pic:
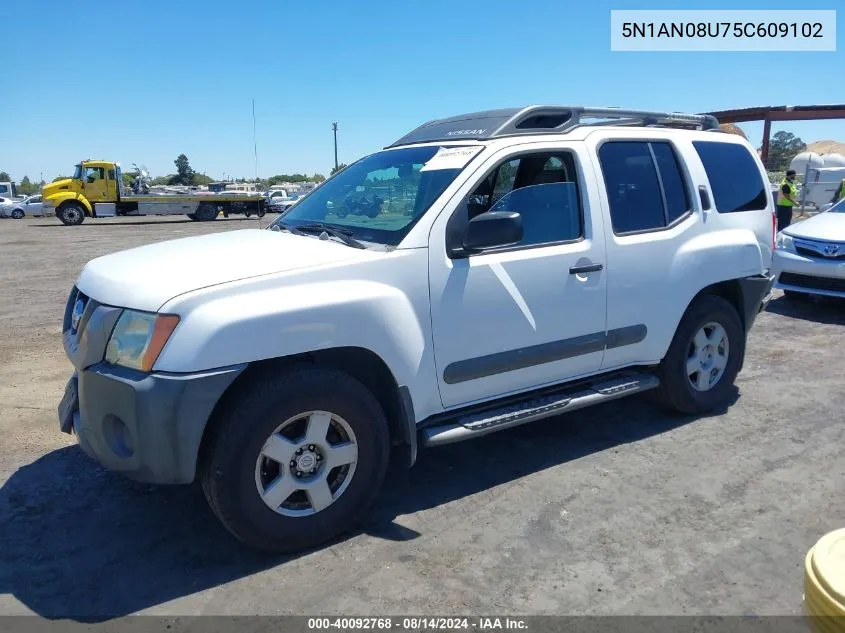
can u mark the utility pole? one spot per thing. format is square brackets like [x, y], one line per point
[334, 128]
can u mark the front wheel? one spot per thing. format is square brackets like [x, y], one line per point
[71, 214]
[291, 461]
[699, 370]
[17, 214]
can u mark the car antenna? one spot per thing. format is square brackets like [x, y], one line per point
[255, 152]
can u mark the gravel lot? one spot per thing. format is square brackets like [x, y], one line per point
[612, 510]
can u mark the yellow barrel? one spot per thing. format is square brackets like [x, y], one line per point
[824, 583]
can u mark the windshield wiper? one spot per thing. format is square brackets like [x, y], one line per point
[343, 235]
[288, 228]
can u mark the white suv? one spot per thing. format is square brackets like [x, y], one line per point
[487, 270]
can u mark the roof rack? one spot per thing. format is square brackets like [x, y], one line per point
[538, 119]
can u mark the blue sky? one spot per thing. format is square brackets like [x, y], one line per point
[181, 76]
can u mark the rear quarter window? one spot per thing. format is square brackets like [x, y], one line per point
[734, 177]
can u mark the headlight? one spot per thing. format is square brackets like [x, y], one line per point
[785, 242]
[139, 337]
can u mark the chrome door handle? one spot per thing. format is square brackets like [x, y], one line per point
[589, 268]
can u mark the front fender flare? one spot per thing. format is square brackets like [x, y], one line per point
[272, 322]
[60, 198]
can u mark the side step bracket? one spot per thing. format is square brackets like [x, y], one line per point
[477, 424]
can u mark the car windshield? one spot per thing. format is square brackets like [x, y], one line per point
[379, 198]
[839, 207]
[77, 173]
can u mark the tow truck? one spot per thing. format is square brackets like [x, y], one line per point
[96, 190]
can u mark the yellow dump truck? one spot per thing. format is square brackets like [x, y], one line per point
[96, 190]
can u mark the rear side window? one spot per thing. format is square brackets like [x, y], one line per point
[734, 177]
[645, 186]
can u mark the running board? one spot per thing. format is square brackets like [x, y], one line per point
[469, 426]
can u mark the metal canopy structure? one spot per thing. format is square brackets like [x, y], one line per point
[767, 114]
[539, 119]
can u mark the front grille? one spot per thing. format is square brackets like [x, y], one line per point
[816, 250]
[88, 306]
[813, 283]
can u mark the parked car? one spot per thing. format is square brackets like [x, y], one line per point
[280, 204]
[21, 208]
[548, 266]
[810, 255]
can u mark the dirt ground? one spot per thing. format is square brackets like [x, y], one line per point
[613, 510]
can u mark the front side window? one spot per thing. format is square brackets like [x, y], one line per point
[379, 198]
[645, 186]
[92, 174]
[734, 177]
[541, 187]
[77, 172]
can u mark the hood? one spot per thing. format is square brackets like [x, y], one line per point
[66, 184]
[826, 226]
[145, 278]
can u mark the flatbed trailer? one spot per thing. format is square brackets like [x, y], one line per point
[96, 191]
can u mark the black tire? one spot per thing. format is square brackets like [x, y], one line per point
[246, 420]
[71, 214]
[342, 212]
[676, 391]
[17, 214]
[192, 216]
[206, 212]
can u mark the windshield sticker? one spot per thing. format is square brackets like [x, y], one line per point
[451, 158]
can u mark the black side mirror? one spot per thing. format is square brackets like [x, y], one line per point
[493, 229]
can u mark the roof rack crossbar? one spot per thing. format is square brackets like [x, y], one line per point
[540, 119]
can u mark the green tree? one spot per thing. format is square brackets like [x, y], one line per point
[5, 177]
[184, 174]
[340, 167]
[27, 187]
[318, 178]
[58, 178]
[783, 147]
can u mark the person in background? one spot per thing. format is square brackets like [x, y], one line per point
[787, 199]
[839, 194]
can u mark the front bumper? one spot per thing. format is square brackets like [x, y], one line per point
[756, 294]
[809, 274]
[147, 427]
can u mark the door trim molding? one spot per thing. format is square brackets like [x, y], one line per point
[523, 357]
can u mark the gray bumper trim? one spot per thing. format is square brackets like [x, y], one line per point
[148, 427]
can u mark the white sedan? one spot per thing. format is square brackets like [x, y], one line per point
[18, 209]
[810, 255]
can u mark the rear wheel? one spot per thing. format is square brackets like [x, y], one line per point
[704, 358]
[71, 213]
[205, 212]
[292, 460]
